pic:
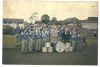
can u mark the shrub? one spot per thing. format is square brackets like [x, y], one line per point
[8, 30]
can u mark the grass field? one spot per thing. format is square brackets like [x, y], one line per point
[92, 41]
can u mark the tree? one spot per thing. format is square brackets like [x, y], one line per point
[74, 20]
[54, 19]
[45, 18]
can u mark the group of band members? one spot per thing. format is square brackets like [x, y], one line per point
[33, 38]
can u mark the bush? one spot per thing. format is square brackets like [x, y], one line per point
[8, 30]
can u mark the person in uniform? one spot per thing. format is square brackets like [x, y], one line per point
[24, 47]
[38, 39]
[60, 32]
[44, 37]
[66, 35]
[18, 40]
[48, 33]
[31, 39]
[80, 39]
[74, 39]
[18, 36]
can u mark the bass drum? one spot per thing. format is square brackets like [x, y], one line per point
[60, 46]
[68, 47]
[50, 49]
[44, 49]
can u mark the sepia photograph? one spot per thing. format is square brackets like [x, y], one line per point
[44, 32]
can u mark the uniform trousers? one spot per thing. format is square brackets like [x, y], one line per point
[24, 47]
[38, 45]
[79, 46]
[31, 45]
[73, 44]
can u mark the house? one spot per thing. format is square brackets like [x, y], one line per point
[13, 22]
[90, 23]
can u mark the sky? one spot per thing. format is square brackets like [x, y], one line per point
[61, 10]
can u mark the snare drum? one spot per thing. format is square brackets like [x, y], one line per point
[47, 44]
[67, 47]
[44, 49]
[60, 46]
[50, 49]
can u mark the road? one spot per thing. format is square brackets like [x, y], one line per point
[88, 56]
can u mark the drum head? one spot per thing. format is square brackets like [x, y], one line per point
[60, 46]
[44, 49]
[47, 44]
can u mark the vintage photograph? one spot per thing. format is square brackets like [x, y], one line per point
[40, 32]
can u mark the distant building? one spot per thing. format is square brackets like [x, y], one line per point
[13, 22]
[90, 23]
[92, 18]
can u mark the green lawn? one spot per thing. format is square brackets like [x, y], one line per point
[92, 41]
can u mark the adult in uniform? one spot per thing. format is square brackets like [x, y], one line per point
[66, 35]
[18, 36]
[60, 32]
[48, 33]
[44, 37]
[31, 39]
[74, 39]
[18, 39]
[24, 47]
[38, 39]
[80, 39]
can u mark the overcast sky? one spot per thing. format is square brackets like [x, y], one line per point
[61, 10]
